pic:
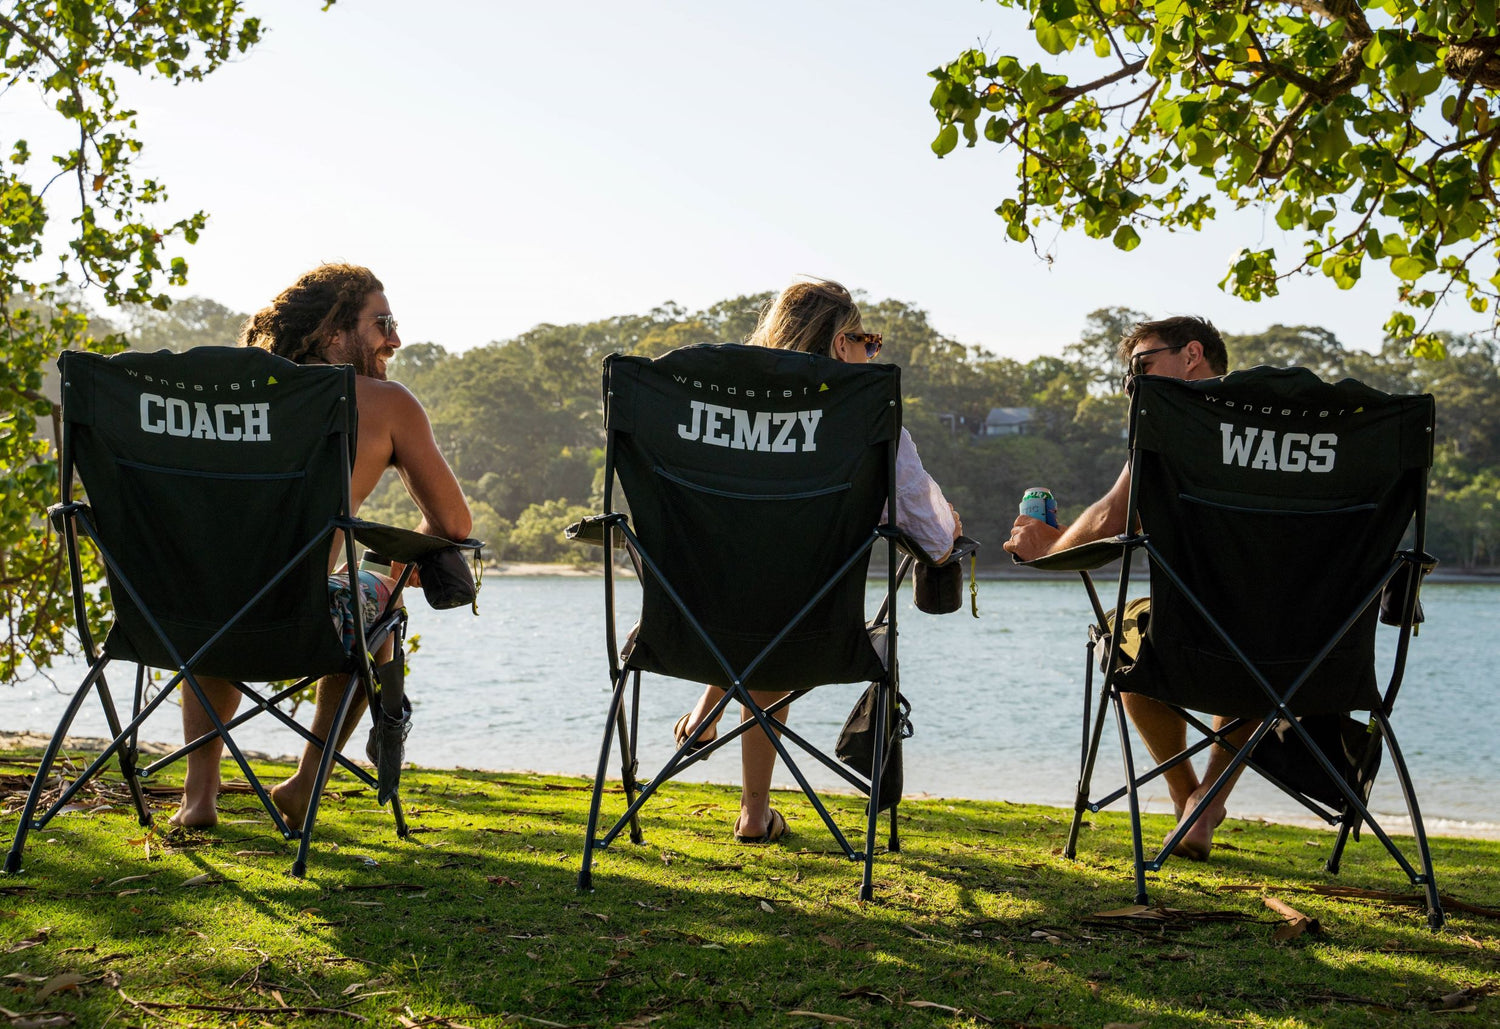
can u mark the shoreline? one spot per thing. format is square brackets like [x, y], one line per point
[592, 570]
[11, 741]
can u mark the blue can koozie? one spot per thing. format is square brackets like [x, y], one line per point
[1037, 502]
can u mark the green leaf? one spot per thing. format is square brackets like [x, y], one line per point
[1126, 238]
[1409, 268]
[946, 140]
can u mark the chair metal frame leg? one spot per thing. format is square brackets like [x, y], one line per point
[325, 768]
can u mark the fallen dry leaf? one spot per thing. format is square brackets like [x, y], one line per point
[58, 983]
[31, 941]
[932, 1004]
[822, 1017]
[38, 1019]
[1124, 1025]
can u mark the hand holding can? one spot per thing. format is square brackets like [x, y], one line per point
[1038, 502]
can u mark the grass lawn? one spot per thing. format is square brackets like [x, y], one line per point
[475, 920]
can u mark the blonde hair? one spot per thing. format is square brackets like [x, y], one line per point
[807, 316]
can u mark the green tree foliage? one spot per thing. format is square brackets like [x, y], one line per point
[1369, 129]
[538, 533]
[520, 419]
[66, 54]
[193, 322]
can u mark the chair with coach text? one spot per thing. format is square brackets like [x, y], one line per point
[1271, 508]
[755, 480]
[217, 485]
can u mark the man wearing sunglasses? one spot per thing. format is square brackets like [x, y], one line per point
[336, 314]
[1188, 348]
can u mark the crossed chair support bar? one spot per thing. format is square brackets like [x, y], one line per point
[72, 516]
[1356, 812]
[637, 793]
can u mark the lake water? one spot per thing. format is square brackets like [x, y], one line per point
[996, 702]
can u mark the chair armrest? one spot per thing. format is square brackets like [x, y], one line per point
[591, 529]
[404, 545]
[1085, 557]
[962, 548]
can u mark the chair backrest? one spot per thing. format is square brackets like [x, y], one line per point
[752, 476]
[206, 473]
[1280, 501]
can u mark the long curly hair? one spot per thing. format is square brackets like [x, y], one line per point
[807, 316]
[301, 322]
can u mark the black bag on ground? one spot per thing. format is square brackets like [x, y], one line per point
[1341, 739]
[856, 743]
[447, 581]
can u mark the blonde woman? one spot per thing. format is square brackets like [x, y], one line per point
[820, 317]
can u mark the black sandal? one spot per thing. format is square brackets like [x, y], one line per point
[775, 830]
[680, 733]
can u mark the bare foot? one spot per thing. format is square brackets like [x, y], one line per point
[1199, 841]
[198, 814]
[292, 800]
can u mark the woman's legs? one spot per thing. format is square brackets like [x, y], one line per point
[757, 762]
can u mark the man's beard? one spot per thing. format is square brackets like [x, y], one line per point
[363, 359]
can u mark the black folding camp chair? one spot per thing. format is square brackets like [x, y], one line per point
[217, 482]
[1271, 507]
[755, 480]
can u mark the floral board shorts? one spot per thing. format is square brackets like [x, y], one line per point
[375, 592]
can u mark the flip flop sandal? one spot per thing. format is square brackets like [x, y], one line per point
[775, 830]
[680, 733]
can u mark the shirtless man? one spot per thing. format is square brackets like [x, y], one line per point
[335, 314]
[1183, 348]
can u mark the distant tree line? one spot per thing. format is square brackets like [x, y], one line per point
[520, 419]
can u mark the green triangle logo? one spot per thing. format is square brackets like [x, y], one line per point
[823, 388]
[271, 380]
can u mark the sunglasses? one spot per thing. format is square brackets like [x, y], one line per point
[873, 341]
[1136, 367]
[386, 324]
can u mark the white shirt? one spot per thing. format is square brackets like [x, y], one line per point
[921, 510]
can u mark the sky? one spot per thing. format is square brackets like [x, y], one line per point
[501, 165]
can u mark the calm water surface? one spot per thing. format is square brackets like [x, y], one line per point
[997, 702]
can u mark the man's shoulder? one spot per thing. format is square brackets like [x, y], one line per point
[384, 392]
[387, 402]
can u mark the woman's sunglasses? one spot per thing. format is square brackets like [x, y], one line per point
[873, 341]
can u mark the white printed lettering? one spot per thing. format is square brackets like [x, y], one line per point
[751, 432]
[1322, 452]
[1293, 460]
[690, 431]
[154, 424]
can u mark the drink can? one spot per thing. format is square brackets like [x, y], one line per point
[1038, 502]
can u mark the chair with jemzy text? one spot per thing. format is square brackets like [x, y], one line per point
[755, 480]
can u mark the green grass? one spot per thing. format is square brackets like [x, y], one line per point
[475, 920]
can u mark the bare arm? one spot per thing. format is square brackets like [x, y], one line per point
[426, 475]
[1031, 538]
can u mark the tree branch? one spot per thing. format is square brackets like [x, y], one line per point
[1068, 93]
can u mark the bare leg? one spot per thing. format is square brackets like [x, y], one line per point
[1200, 838]
[200, 787]
[706, 701]
[757, 762]
[293, 794]
[1165, 734]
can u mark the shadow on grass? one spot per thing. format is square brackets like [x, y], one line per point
[475, 920]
